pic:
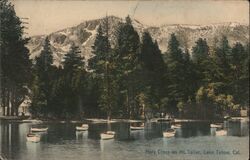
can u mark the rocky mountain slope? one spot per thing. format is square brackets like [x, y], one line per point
[84, 34]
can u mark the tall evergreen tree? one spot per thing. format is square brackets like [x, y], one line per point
[175, 74]
[244, 100]
[152, 69]
[41, 88]
[74, 76]
[239, 64]
[201, 60]
[101, 49]
[222, 58]
[14, 60]
[191, 78]
[127, 50]
[103, 66]
[200, 51]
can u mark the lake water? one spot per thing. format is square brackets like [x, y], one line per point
[61, 142]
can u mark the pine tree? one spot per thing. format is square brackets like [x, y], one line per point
[239, 65]
[103, 66]
[45, 60]
[43, 70]
[73, 68]
[152, 69]
[222, 58]
[191, 78]
[127, 50]
[200, 51]
[72, 60]
[175, 74]
[14, 60]
[74, 76]
[150, 53]
[101, 49]
[244, 78]
[201, 60]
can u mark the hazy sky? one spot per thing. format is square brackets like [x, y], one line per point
[47, 16]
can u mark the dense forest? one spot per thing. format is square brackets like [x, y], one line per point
[132, 79]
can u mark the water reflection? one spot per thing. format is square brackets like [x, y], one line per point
[194, 129]
[64, 138]
[81, 135]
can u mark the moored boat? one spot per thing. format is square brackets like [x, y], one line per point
[176, 126]
[107, 135]
[227, 117]
[169, 133]
[141, 127]
[31, 137]
[84, 127]
[136, 128]
[34, 129]
[216, 125]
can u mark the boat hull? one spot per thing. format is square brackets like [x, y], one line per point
[169, 134]
[108, 135]
[216, 125]
[175, 126]
[81, 128]
[136, 128]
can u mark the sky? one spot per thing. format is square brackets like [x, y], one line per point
[46, 16]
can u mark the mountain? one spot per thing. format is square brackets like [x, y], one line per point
[189, 34]
[84, 34]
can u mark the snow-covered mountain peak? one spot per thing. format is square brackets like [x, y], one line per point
[84, 34]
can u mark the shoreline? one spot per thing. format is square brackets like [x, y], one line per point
[20, 119]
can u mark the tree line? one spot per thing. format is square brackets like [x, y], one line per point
[134, 77]
[128, 80]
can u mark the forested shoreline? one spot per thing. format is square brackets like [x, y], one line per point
[128, 80]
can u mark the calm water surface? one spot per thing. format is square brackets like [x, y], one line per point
[62, 142]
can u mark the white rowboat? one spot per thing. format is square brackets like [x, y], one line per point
[33, 138]
[169, 133]
[227, 117]
[216, 125]
[176, 126]
[84, 127]
[39, 129]
[107, 135]
[136, 128]
[141, 127]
